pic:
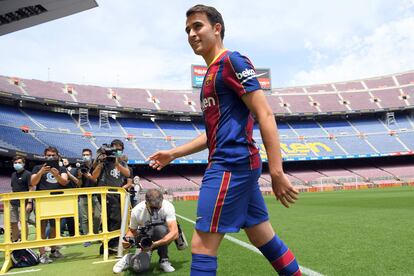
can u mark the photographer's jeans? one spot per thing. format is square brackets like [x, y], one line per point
[159, 232]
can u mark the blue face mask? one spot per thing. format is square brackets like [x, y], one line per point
[18, 166]
[86, 158]
[119, 153]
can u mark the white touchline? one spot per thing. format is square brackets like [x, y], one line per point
[23, 271]
[107, 261]
[305, 270]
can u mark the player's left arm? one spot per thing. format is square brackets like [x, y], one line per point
[258, 105]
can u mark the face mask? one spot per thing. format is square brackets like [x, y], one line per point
[86, 158]
[119, 153]
[18, 166]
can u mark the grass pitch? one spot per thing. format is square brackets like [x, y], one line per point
[362, 232]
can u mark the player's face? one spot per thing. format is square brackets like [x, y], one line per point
[201, 35]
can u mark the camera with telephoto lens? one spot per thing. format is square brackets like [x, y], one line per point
[109, 152]
[83, 167]
[145, 233]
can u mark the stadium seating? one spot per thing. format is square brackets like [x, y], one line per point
[7, 85]
[380, 82]
[93, 94]
[310, 138]
[131, 97]
[392, 91]
[172, 100]
[43, 89]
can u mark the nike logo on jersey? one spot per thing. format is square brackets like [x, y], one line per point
[248, 74]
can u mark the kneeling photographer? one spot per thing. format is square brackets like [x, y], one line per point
[111, 170]
[153, 226]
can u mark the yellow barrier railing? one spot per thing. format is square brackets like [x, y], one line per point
[57, 204]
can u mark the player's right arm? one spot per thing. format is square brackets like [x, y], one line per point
[162, 158]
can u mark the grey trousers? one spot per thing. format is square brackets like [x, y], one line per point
[83, 214]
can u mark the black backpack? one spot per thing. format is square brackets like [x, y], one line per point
[24, 258]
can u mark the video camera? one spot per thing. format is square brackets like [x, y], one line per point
[145, 233]
[83, 167]
[109, 152]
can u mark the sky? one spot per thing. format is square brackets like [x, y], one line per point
[130, 43]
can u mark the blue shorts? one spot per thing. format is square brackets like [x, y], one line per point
[229, 201]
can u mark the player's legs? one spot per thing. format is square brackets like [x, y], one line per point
[261, 234]
[204, 248]
[277, 253]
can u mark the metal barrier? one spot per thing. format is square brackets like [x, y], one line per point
[57, 204]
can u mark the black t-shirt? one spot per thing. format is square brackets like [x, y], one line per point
[48, 181]
[110, 176]
[20, 182]
[71, 184]
[86, 182]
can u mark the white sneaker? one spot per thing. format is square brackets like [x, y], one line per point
[122, 264]
[44, 259]
[56, 254]
[166, 266]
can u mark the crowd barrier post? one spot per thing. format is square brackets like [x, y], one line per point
[58, 204]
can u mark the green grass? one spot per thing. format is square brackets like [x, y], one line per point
[368, 232]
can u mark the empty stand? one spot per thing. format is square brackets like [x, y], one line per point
[349, 86]
[134, 98]
[46, 89]
[23, 141]
[171, 100]
[173, 182]
[329, 102]
[12, 116]
[93, 94]
[405, 78]
[299, 104]
[320, 88]
[359, 100]
[390, 98]
[7, 85]
[380, 82]
[277, 105]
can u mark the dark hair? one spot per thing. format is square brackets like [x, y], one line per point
[90, 151]
[117, 142]
[212, 14]
[52, 149]
[154, 197]
[18, 157]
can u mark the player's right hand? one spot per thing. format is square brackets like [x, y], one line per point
[284, 190]
[160, 159]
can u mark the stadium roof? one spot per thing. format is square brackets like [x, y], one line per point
[16, 15]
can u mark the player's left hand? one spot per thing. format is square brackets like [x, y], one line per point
[284, 190]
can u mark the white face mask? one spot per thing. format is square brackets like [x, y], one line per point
[18, 166]
[86, 158]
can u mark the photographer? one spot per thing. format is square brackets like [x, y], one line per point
[73, 178]
[49, 176]
[86, 180]
[111, 171]
[153, 226]
[20, 182]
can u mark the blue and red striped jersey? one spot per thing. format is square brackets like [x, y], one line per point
[228, 121]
